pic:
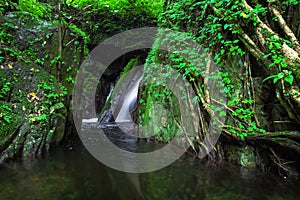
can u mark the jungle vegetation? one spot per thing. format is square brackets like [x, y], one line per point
[254, 43]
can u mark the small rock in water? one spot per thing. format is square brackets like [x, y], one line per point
[92, 120]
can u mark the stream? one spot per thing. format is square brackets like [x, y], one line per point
[73, 173]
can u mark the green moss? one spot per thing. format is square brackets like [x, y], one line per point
[243, 156]
[132, 63]
[33, 107]
[106, 106]
[9, 121]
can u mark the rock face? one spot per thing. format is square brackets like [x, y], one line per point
[34, 105]
[38, 64]
[33, 114]
[241, 155]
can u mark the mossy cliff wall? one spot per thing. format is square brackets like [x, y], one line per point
[40, 55]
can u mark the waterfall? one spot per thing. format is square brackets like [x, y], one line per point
[123, 97]
[111, 89]
[107, 114]
[129, 101]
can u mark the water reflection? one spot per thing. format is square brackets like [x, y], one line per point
[74, 174]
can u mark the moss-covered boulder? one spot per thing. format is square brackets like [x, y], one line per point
[32, 112]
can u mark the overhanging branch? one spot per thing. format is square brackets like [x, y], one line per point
[286, 28]
[291, 55]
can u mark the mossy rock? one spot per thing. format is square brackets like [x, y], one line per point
[241, 155]
[9, 122]
[32, 107]
[14, 144]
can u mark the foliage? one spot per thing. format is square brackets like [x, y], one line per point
[125, 7]
[35, 8]
[42, 45]
[9, 121]
[232, 32]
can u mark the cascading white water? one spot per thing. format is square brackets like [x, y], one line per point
[129, 102]
[106, 115]
[95, 119]
[111, 89]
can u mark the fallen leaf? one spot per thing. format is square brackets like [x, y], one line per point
[244, 15]
[33, 94]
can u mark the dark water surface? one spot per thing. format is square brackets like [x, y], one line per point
[72, 173]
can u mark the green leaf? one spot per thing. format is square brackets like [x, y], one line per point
[7, 119]
[56, 107]
[289, 79]
[222, 114]
[269, 77]
[284, 64]
[278, 45]
[267, 55]
[280, 75]
[242, 137]
[196, 99]
[226, 26]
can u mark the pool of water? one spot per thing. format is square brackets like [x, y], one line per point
[72, 173]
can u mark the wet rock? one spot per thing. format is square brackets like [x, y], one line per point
[241, 155]
[33, 113]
